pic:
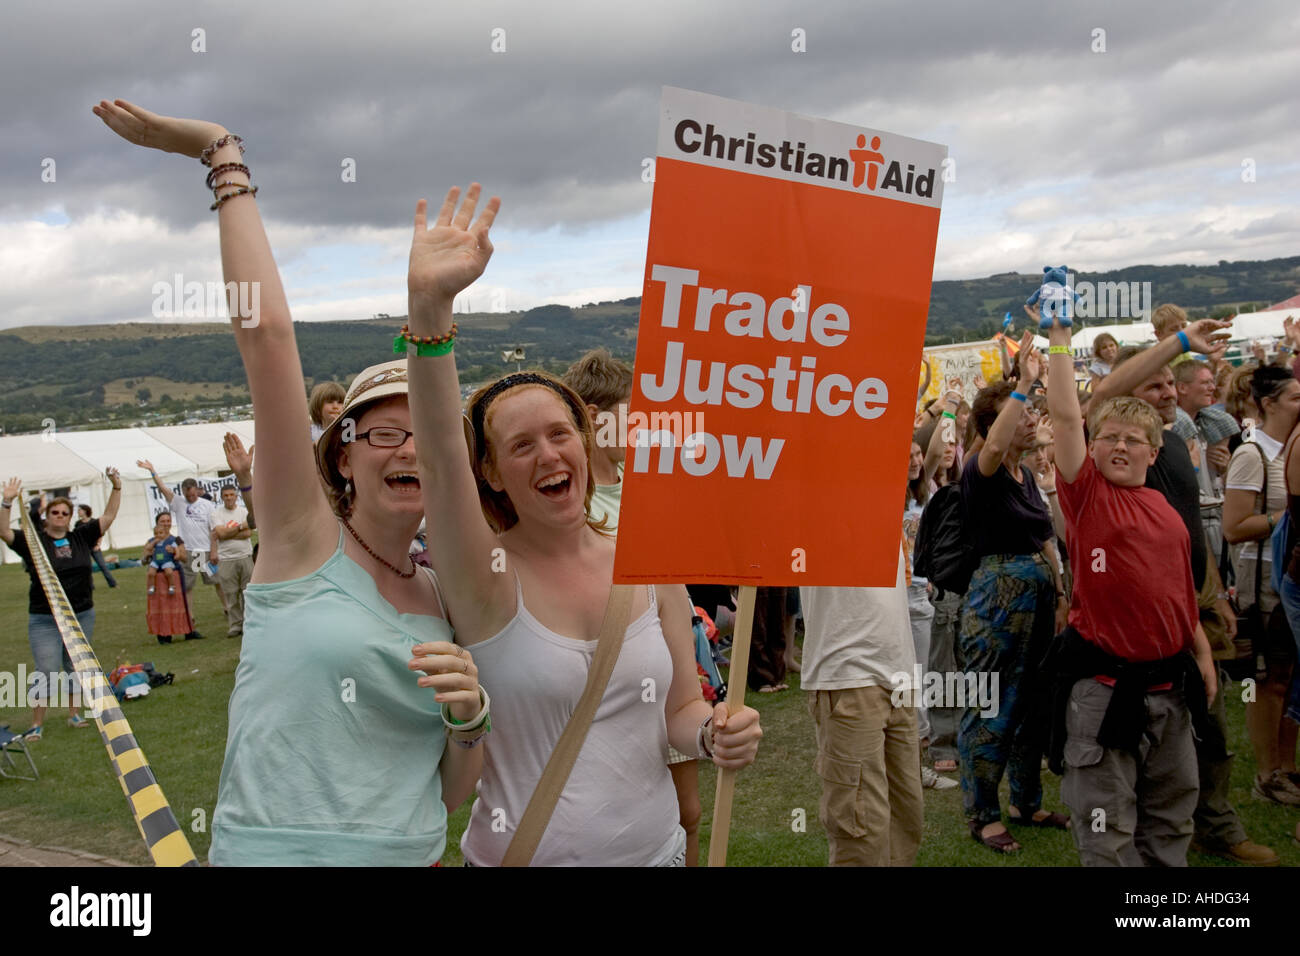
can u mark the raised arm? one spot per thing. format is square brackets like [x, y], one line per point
[13, 487]
[1063, 400]
[241, 463]
[1203, 336]
[1004, 426]
[166, 492]
[935, 448]
[114, 502]
[445, 260]
[925, 386]
[298, 528]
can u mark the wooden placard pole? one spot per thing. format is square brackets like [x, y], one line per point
[737, 676]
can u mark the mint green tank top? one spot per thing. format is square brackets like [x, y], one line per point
[332, 752]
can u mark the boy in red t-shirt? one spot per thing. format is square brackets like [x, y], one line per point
[1133, 690]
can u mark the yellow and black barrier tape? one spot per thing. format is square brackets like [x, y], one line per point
[153, 815]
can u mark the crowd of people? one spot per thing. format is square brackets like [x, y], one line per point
[1087, 561]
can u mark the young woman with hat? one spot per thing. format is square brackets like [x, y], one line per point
[336, 751]
[529, 589]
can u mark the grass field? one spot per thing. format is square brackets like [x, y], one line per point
[182, 730]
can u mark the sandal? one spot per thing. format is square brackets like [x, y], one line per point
[945, 766]
[1003, 843]
[773, 688]
[1058, 821]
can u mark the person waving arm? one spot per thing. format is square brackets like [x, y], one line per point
[299, 532]
[445, 259]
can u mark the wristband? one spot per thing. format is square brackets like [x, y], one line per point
[243, 488]
[1058, 350]
[6, 502]
[1018, 397]
[949, 415]
[1272, 522]
[704, 740]
[1182, 337]
[440, 349]
[481, 719]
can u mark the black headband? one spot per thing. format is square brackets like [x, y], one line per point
[506, 383]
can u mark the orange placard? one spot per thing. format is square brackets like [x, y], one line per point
[786, 290]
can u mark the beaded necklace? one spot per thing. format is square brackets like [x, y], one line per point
[369, 551]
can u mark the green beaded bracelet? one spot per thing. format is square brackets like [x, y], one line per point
[401, 347]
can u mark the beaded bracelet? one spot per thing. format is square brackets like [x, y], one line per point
[425, 344]
[405, 333]
[226, 168]
[241, 191]
[205, 157]
[402, 346]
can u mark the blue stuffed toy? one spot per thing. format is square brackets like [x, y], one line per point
[1054, 297]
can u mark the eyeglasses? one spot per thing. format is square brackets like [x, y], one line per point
[1115, 442]
[386, 437]
[59, 514]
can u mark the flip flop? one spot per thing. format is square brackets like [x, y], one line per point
[772, 689]
[1058, 821]
[945, 766]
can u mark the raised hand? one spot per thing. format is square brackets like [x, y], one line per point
[167, 133]
[450, 256]
[1031, 363]
[1292, 330]
[145, 463]
[12, 487]
[239, 460]
[1205, 335]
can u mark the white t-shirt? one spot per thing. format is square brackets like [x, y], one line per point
[857, 637]
[605, 502]
[1246, 473]
[230, 548]
[190, 522]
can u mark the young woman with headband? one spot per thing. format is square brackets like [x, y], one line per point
[529, 593]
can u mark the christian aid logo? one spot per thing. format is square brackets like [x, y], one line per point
[867, 164]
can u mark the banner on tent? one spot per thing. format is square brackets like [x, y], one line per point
[787, 283]
[208, 486]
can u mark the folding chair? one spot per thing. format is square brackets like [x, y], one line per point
[10, 744]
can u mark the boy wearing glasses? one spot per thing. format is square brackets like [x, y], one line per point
[1133, 668]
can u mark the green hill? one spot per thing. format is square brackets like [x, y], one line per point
[115, 375]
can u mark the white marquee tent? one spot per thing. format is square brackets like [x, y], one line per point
[1245, 328]
[76, 460]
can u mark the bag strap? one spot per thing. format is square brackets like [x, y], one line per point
[542, 803]
[1259, 551]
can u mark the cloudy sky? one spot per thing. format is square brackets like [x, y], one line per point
[1064, 152]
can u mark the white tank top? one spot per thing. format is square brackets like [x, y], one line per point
[619, 807]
